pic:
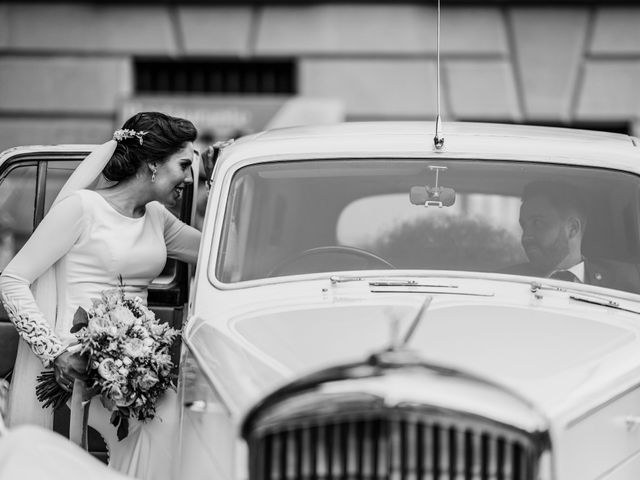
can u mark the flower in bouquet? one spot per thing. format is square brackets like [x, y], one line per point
[128, 351]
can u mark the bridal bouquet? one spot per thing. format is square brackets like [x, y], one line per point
[128, 350]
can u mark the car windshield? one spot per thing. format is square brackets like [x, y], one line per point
[298, 217]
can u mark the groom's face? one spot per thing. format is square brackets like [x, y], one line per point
[544, 234]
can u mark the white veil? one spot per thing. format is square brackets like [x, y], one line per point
[23, 406]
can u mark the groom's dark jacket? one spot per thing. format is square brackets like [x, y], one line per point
[605, 273]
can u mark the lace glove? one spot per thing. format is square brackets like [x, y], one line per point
[32, 327]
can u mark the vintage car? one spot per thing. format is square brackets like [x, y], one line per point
[355, 311]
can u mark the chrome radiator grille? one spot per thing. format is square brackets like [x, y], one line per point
[398, 447]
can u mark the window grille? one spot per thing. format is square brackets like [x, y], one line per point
[215, 76]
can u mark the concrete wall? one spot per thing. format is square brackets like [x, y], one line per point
[66, 68]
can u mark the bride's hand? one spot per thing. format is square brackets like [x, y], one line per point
[69, 366]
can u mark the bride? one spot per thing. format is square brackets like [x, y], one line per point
[90, 238]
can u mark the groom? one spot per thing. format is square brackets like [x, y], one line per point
[553, 220]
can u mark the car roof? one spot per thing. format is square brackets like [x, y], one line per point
[61, 151]
[453, 128]
[462, 140]
[410, 139]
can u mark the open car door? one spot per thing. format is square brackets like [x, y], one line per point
[30, 179]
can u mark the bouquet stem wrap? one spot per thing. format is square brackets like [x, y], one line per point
[79, 414]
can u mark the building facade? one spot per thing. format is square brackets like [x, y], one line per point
[69, 72]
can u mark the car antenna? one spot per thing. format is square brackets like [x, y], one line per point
[438, 139]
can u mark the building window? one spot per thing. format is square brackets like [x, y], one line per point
[215, 76]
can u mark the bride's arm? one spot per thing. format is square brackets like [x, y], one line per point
[53, 238]
[182, 240]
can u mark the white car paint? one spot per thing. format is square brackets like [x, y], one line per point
[578, 363]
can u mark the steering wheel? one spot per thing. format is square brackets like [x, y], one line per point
[372, 258]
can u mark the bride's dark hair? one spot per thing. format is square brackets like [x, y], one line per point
[164, 136]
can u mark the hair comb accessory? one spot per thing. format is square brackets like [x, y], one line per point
[124, 134]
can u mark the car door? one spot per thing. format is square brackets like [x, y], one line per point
[30, 179]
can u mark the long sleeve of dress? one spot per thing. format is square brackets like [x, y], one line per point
[182, 240]
[53, 238]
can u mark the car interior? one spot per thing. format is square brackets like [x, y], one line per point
[288, 218]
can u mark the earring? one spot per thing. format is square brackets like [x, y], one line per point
[153, 177]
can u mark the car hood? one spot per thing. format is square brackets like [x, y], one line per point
[550, 355]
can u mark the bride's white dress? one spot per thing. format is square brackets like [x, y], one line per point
[92, 245]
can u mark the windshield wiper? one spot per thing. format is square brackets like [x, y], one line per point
[378, 282]
[537, 286]
[344, 279]
[581, 297]
[384, 285]
[604, 302]
[407, 283]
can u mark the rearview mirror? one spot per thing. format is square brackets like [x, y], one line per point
[432, 196]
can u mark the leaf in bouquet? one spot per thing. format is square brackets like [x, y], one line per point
[80, 320]
[108, 403]
[94, 390]
[115, 418]
[123, 428]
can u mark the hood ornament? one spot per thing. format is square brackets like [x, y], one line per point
[397, 355]
[416, 321]
[398, 344]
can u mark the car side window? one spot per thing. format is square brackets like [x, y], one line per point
[57, 174]
[17, 201]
